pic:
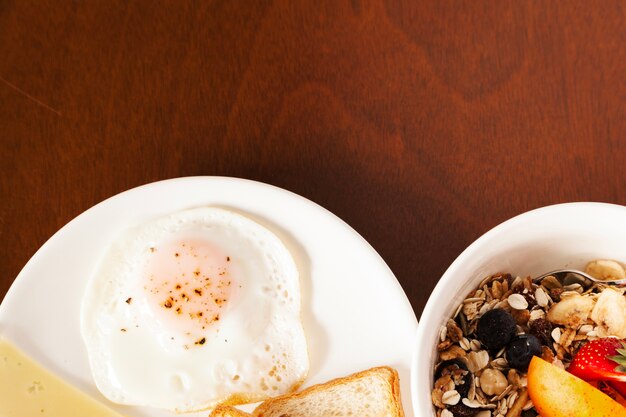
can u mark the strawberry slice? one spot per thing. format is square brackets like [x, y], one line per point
[601, 360]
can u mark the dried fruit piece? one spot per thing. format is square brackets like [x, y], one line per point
[557, 393]
[495, 329]
[541, 329]
[572, 311]
[521, 317]
[602, 359]
[605, 269]
[461, 410]
[609, 313]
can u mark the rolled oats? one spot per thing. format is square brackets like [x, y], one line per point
[499, 363]
[443, 333]
[475, 345]
[477, 360]
[567, 337]
[465, 344]
[472, 404]
[446, 413]
[451, 397]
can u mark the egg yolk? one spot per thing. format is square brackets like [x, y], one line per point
[188, 285]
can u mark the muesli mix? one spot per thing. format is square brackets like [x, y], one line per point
[485, 348]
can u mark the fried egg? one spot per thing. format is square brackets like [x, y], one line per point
[193, 309]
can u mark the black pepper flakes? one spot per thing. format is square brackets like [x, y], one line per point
[129, 300]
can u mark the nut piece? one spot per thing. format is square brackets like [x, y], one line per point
[536, 315]
[493, 382]
[609, 314]
[517, 301]
[541, 297]
[605, 269]
[571, 311]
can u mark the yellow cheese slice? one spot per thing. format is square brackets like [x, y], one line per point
[29, 390]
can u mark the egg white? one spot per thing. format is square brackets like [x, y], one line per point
[257, 348]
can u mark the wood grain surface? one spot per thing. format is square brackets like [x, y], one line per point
[422, 124]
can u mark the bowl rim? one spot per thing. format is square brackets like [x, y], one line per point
[468, 253]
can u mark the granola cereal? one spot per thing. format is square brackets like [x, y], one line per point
[485, 347]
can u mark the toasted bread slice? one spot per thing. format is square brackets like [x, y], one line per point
[371, 393]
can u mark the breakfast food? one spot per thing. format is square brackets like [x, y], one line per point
[371, 393]
[485, 349]
[193, 309]
[557, 393]
[27, 389]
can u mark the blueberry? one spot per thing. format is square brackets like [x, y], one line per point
[521, 350]
[495, 329]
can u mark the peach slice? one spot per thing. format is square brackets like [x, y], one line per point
[557, 393]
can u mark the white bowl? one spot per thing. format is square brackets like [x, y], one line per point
[559, 236]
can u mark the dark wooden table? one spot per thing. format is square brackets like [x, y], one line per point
[422, 124]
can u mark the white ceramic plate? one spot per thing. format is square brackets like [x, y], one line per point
[354, 311]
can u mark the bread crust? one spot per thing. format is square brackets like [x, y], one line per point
[228, 411]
